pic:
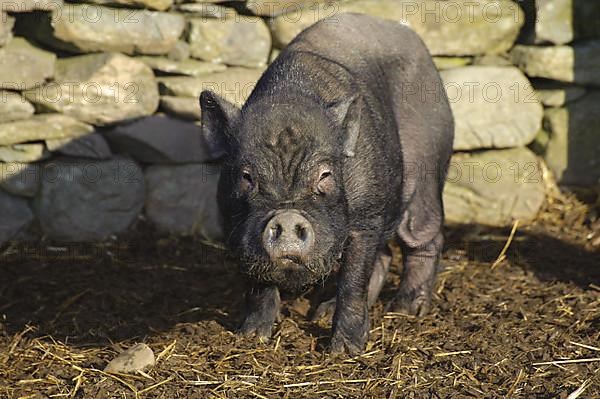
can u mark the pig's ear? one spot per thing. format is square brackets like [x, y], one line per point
[347, 114]
[218, 116]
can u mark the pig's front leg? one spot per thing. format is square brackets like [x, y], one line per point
[262, 310]
[351, 319]
[420, 269]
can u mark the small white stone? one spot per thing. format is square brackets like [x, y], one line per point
[137, 358]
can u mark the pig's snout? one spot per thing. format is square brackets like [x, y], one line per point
[288, 236]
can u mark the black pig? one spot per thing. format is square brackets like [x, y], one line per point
[342, 146]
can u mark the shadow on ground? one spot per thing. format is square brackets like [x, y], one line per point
[126, 289]
[120, 290]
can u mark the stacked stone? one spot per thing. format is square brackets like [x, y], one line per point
[99, 104]
[560, 52]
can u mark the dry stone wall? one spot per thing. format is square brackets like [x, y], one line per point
[99, 103]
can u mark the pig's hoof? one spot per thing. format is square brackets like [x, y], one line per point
[352, 346]
[255, 326]
[415, 303]
[325, 310]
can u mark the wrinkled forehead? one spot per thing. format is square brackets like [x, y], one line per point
[284, 124]
[285, 140]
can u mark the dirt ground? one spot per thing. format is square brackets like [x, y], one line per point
[526, 325]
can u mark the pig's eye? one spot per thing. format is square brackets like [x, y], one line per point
[246, 182]
[326, 183]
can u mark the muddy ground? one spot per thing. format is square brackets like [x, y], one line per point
[66, 310]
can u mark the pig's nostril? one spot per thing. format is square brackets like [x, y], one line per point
[301, 232]
[276, 231]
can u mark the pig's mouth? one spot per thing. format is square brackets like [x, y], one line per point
[289, 273]
[289, 261]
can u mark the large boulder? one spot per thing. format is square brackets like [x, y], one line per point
[493, 107]
[234, 41]
[493, 187]
[84, 200]
[448, 28]
[159, 139]
[6, 25]
[90, 28]
[99, 88]
[23, 66]
[183, 199]
[42, 127]
[573, 148]
[234, 84]
[14, 107]
[15, 215]
[20, 179]
[573, 64]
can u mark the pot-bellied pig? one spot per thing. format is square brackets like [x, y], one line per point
[343, 145]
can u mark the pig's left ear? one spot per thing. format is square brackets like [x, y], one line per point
[218, 116]
[347, 114]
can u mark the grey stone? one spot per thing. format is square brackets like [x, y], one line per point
[185, 67]
[182, 107]
[20, 179]
[42, 127]
[183, 199]
[14, 214]
[234, 41]
[554, 21]
[89, 200]
[573, 64]
[99, 88]
[92, 28]
[89, 146]
[18, 6]
[493, 107]
[555, 94]
[234, 84]
[14, 107]
[6, 26]
[447, 28]
[494, 187]
[137, 358]
[159, 139]
[23, 153]
[574, 141]
[23, 66]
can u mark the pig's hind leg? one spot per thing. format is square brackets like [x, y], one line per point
[420, 269]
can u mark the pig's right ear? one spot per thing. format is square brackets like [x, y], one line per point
[346, 113]
[218, 116]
